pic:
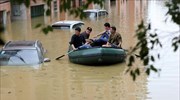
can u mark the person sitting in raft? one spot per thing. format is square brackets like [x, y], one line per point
[98, 42]
[77, 39]
[115, 39]
[87, 33]
[104, 36]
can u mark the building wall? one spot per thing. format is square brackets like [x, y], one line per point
[5, 6]
[20, 11]
[5, 11]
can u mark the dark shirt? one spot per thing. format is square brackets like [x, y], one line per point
[86, 36]
[77, 40]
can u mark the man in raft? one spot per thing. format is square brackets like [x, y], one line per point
[115, 39]
[104, 36]
[77, 39]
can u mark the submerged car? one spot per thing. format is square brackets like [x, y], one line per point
[23, 53]
[67, 24]
[95, 13]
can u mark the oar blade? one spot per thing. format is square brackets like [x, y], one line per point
[59, 57]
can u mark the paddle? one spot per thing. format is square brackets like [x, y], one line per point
[64, 55]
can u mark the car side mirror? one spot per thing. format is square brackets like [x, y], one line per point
[47, 60]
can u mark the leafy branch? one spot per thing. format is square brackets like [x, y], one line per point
[142, 49]
[146, 38]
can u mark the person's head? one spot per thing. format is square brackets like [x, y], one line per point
[113, 29]
[77, 30]
[107, 26]
[88, 30]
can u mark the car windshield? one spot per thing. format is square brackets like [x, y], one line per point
[91, 14]
[19, 57]
[59, 26]
[77, 25]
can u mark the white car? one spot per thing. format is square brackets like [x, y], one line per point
[23, 53]
[95, 13]
[67, 24]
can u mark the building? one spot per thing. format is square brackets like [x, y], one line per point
[5, 9]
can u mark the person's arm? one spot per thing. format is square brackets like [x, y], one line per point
[107, 44]
[119, 45]
[73, 47]
[72, 43]
[84, 40]
[98, 34]
[120, 41]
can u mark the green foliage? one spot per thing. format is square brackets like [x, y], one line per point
[135, 73]
[153, 68]
[38, 25]
[176, 42]
[1, 30]
[26, 2]
[48, 12]
[131, 60]
[47, 29]
[174, 11]
[65, 6]
[144, 39]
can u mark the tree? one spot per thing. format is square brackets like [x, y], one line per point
[143, 34]
[145, 37]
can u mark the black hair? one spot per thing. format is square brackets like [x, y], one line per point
[78, 29]
[89, 28]
[114, 28]
[107, 25]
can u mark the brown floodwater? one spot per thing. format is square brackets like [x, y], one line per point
[63, 80]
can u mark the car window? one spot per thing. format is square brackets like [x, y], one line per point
[19, 57]
[61, 26]
[77, 25]
[64, 27]
[102, 13]
[91, 14]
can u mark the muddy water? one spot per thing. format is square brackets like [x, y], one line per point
[62, 80]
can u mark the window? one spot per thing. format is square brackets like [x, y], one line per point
[55, 5]
[16, 10]
[19, 57]
[77, 25]
[37, 10]
[91, 14]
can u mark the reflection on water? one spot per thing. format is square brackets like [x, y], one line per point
[62, 80]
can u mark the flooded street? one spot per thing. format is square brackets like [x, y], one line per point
[63, 80]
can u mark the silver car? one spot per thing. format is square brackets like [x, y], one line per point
[95, 13]
[67, 24]
[23, 53]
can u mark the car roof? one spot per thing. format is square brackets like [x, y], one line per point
[68, 22]
[94, 10]
[22, 44]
